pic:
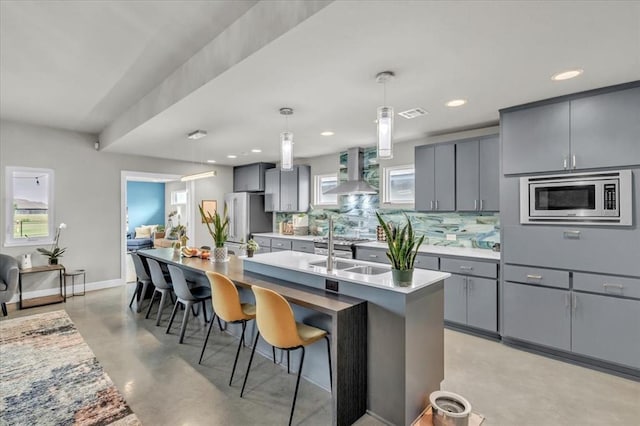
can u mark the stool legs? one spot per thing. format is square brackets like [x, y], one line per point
[134, 293]
[206, 339]
[235, 362]
[162, 300]
[183, 328]
[153, 296]
[295, 393]
[253, 351]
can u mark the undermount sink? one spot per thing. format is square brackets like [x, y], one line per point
[367, 270]
[338, 264]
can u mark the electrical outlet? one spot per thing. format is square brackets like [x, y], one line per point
[451, 237]
[331, 285]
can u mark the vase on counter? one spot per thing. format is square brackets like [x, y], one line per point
[402, 278]
[220, 254]
[53, 261]
[249, 253]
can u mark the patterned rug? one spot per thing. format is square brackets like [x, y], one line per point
[49, 376]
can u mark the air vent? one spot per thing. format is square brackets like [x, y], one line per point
[412, 113]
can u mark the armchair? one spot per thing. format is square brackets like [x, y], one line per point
[8, 280]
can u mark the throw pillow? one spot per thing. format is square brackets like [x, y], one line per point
[143, 232]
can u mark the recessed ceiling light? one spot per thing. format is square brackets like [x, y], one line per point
[256, 150]
[566, 75]
[197, 134]
[232, 156]
[456, 103]
[211, 161]
[327, 133]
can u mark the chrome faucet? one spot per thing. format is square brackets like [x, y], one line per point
[330, 246]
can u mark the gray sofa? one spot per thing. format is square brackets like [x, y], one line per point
[8, 280]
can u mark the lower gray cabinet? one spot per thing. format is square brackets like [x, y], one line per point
[607, 328]
[471, 301]
[455, 299]
[372, 254]
[537, 314]
[303, 246]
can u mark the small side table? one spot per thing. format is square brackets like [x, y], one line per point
[46, 300]
[73, 274]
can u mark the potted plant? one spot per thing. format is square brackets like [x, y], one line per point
[251, 247]
[218, 227]
[55, 252]
[403, 248]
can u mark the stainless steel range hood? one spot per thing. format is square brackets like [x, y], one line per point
[355, 183]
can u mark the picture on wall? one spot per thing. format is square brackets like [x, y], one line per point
[209, 207]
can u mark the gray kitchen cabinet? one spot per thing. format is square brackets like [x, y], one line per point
[535, 139]
[372, 254]
[605, 250]
[425, 261]
[471, 301]
[455, 299]
[607, 328]
[435, 177]
[288, 190]
[605, 129]
[250, 177]
[280, 244]
[537, 314]
[469, 267]
[586, 131]
[303, 246]
[272, 190]
[477, 175]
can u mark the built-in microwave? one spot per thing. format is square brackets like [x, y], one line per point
[603, 198]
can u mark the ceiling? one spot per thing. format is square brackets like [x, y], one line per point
[92, 66]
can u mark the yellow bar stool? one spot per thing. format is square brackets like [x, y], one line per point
[226, 305]
[278, 327]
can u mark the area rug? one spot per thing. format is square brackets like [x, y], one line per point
[49, 376]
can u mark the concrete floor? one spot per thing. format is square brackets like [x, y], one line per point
[164, 385]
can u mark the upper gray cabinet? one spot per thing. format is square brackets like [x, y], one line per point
[605, 129]
[477, 175]
[250, 177]
[583, 132]
[288, 191]
[535, 139]
[435, 176]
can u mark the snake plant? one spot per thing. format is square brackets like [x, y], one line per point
[403, 244]
[220, 230]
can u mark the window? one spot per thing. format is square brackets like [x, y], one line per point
[178, 197]
[324, 183]
[30, 218]
[399, 185]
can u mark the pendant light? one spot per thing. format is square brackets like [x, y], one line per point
[286, 142]
[385, 120]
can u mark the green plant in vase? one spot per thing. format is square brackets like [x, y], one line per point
[55, 251]
[218, 227]
[403, 249]
[251, 247]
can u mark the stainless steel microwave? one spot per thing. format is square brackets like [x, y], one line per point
[602, 198]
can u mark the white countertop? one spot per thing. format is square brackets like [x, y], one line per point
[289, 237]
[445, 250]
[299, 261]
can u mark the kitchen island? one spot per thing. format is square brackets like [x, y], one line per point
[388, 354]
[405, 334]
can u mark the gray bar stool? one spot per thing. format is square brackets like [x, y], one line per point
[142, 280]
[161, 286]
[186, 297]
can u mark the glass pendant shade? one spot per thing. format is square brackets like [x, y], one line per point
[385, 132]
[286, 151]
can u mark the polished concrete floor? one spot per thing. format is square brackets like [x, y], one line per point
[164, 384]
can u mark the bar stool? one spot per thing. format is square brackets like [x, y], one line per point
[226, 305]
[278, 327]
[187, 297]
[142, 280]
[161, 286]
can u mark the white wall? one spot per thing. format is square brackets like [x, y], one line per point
[87, 193]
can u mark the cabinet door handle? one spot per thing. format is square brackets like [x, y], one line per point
[466, 268]
[564, 163]
[573, 161]
[431, 205]
[567, 301]
[469, 285]
[436, 204]
[373, 255]
[481, 204]
[534, 277]
[475, 204]
[575, 303]
[571, 234]
[607, 285]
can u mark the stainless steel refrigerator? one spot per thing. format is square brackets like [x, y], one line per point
[246, 217]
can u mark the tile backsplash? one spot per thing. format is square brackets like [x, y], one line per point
[356, 218]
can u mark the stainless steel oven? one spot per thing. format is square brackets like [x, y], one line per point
[585, 198]
[343, 247]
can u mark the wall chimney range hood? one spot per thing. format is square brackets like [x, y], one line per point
[355, 183]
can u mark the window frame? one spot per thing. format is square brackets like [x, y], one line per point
[175, 195]
[317, 186]
[386, 184]
[9, 240]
